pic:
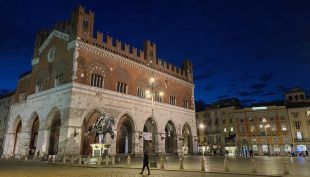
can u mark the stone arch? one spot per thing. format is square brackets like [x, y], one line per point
[33, 126]
[88, 119]
[148, 127]
[16, 130]
[187, 139]
[53, 124]
[50, 117]
[125, 134]
[170, 137]
[99, 68]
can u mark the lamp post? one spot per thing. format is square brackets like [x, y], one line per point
[153, 154]
[265, 125]
[202, 126]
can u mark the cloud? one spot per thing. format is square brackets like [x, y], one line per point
[258, 86]
[205, 75]
[200, 104]
[233, 85]
[257, 92]
[270, 93]
[232, 80]
[222, 96]
[228, 91]
[262, 101]
[227, 69]
[282, 89]
[208, 87]
[248, 100]
[266, 77]
[243, 93]
[246, 79]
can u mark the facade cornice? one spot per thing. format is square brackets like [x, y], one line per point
[121, 59]
[35, 61]
[55, 33]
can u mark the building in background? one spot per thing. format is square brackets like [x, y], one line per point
[201, 128]
[221, 123]
[5, 104]
[298, 108]
[264, 128]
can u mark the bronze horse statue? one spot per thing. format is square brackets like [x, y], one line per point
[103, 126]
[230, 138]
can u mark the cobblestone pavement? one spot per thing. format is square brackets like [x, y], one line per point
[13, 168]
[239, 166]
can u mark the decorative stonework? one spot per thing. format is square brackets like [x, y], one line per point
[35, 61]
[72, 44]
[50, 37]
[51, 54]
[121, 59]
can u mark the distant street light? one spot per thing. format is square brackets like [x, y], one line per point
[265, 125]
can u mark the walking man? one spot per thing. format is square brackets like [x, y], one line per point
[145, 163]
[38, 153]
[251, 153]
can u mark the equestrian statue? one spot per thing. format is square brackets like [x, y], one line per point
[230, 138]
[103, 126]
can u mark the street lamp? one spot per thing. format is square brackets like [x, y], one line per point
[265, 125]
[151, 94]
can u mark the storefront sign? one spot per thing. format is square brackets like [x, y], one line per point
[147, 135]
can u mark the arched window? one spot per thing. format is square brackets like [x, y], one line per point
[255, 148]
[302, 97]
[296, 97]
[158, 97]
[96, 80]
[141, 93]
[265, 148]
[287, 148]
[276, 148]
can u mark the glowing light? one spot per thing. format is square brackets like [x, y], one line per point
[148, 92]
[259, 108]
[201, 125]
[161, 93]
[152, 80]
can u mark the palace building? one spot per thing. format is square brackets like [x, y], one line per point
[76, 77]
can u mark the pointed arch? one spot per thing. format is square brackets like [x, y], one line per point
[54, 111]
[148, 126]
[15, 124]
[31, 120]
[173, 91]
[88, 119]
[142, 83]
[125, 133]
[170, 137]
[187, 138]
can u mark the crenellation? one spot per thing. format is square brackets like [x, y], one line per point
[118, 45]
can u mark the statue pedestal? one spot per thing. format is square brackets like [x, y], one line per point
[98, 149]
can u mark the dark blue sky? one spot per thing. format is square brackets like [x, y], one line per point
[252, 50]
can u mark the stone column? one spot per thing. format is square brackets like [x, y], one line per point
[260, 149]
[161, 144]
[9, 144]
[180, 145]
[137, 149]
[24, 140]
[42, 141]
[109, 140]
[281, 149]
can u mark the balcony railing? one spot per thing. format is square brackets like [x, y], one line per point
[285, 132]
[300, 140]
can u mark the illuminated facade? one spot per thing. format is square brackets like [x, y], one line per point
[78, 75]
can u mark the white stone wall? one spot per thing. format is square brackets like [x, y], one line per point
[74, 101]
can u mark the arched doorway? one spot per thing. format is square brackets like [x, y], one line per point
[124, 137]
[89, 120]
[54, 135]
[170, 138]
[301, 148]
[148, 127]
[34, 135]
[187, 139]
[17, 136]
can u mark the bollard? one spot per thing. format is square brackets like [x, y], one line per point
[88, 160]
[64, 159]
[202, 163]
[72, 159]
[253, 164]
[181, 163]
[128, 161]
[113, 160]
[53, 159]
[98, 161]
[49, 157]
[162, 163]
[119, 160]
[226, 168]
[107, 161]
[80, 160]
[286, 172]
